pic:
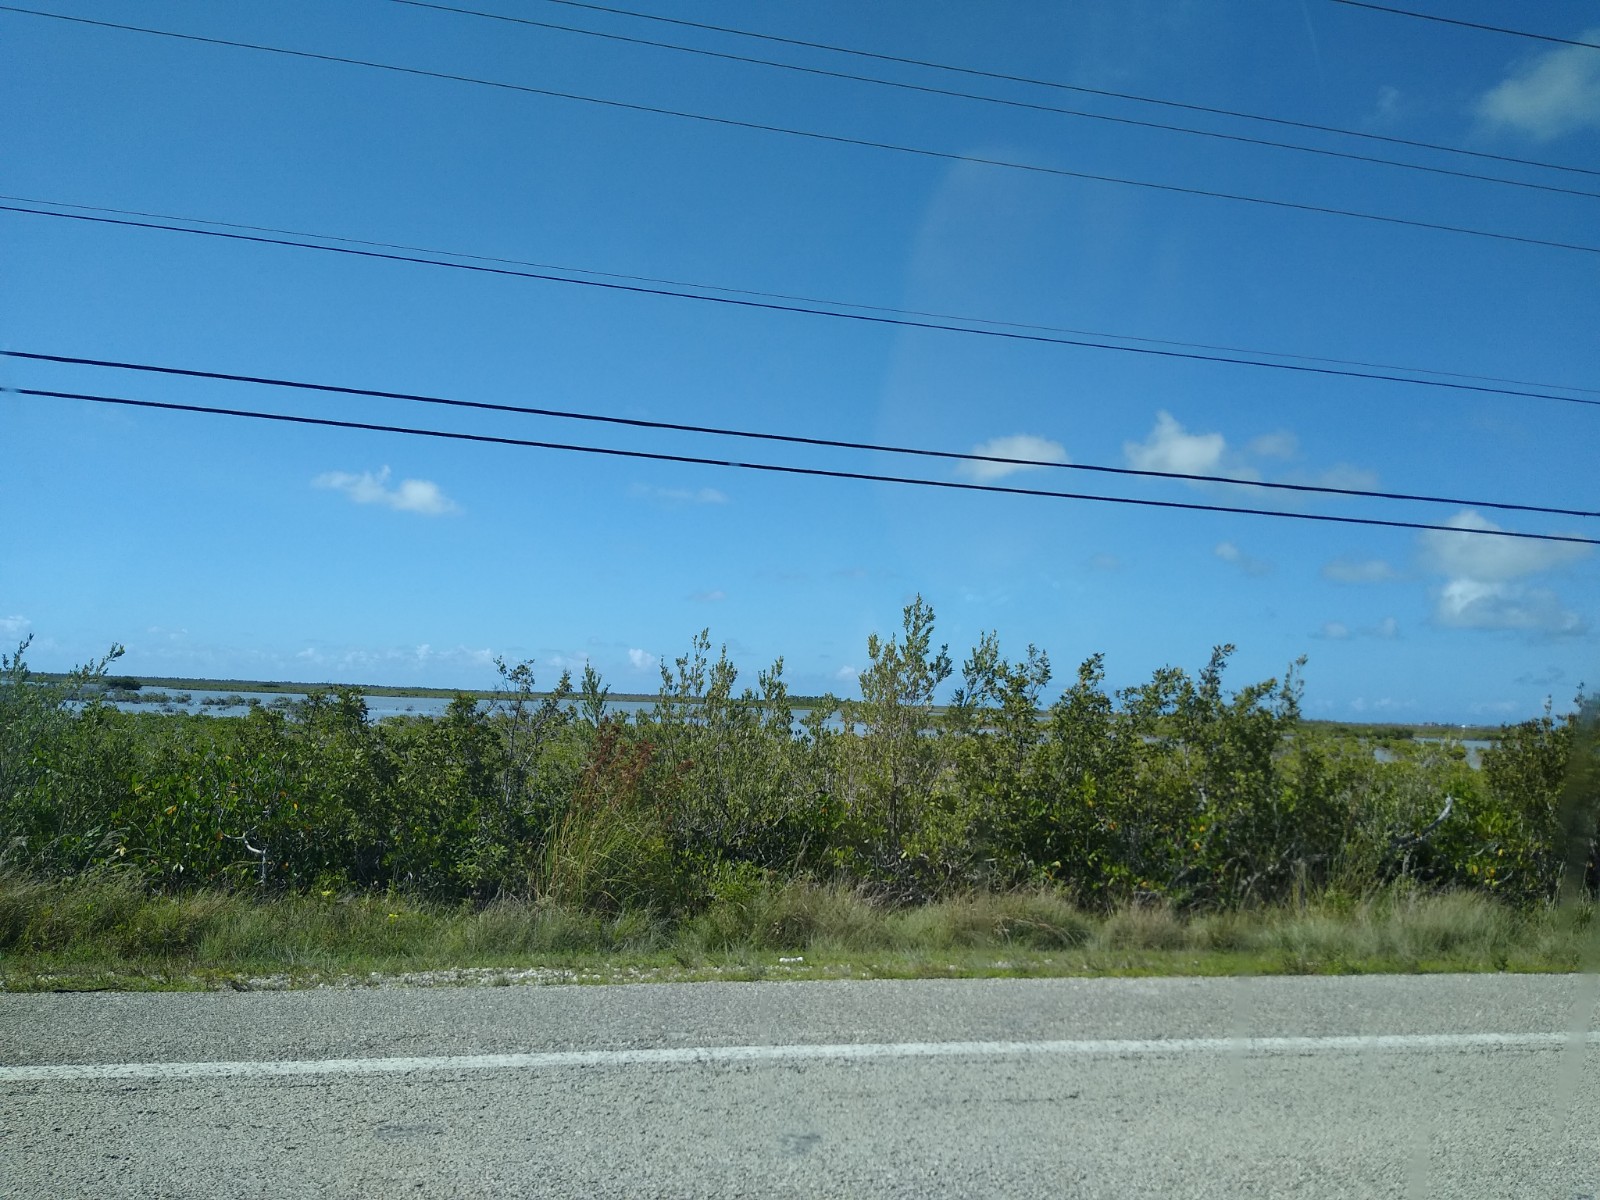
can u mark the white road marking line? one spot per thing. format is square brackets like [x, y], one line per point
[718, 1055]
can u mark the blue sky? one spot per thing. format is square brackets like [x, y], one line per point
[215, 546]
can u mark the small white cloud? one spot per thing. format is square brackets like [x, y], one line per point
[1555, 93]
[1105, 562]
[642, 660]
[1036, 450]
[1351, 570]
[14, 626]
[1340, 475]
[1338, 631]
[714, 596]
[1230, 553]
[846, 674]
[1172, 448]
[411, 495]
[705, 495]
[1282, 444]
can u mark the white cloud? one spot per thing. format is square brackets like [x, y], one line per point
[411, 495]
[1492, 558]
[1482, 588]
[1555, 93]
[1171, 448]
[714, 596]
[1350, 570]
[642, 660]
[705, 495]
[1230, 553]
[1387, 628]
[1017, 445]
[846, 674]
[1105, 562]
[1476, 604]
[1336, 631]
[15, 625]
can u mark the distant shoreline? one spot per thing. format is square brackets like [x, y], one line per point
[1391, 729]
[283, 687]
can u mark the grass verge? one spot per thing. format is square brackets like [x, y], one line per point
[106, 933]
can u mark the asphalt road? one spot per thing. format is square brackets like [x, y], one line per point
[1361, 1087]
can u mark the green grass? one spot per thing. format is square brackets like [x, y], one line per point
[106, 933]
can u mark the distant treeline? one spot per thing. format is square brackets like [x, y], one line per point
[1177, 790]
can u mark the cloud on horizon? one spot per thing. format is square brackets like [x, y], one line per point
[1337, 631]
[410, 495]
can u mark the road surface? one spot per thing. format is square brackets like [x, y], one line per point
[1485, 1086]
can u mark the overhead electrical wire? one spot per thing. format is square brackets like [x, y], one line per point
[1422, 16]
[830, 138]
[1071, 87]
[1019, 104]
[490, 268]
[782, 469]
[1387, 368]
[791, 439]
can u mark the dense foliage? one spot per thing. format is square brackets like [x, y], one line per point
[1177, 789]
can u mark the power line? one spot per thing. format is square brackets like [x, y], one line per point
[1019, 104]
[872, 318]
[830, 138]
[790, 439]
[1070, 87]
[1388, 368]
[1521, 33]
[775, 468]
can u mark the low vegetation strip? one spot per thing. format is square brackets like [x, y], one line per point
[714, 825]
[106, 931]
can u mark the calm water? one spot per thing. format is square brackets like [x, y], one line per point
[1474, 747]
[235, 704]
